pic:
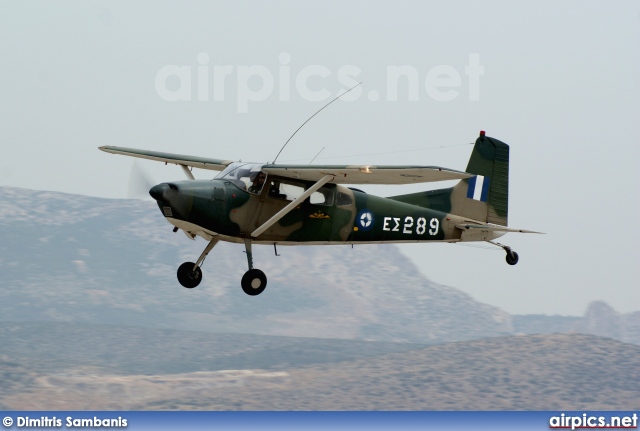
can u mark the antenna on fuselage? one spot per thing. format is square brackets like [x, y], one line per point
[294, 133]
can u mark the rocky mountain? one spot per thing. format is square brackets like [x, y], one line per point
[70, 258]
[599, 319]
[92, 317]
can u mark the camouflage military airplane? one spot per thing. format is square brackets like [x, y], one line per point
[283, 204]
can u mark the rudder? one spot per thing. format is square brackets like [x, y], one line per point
[487, 194]
[483, 197]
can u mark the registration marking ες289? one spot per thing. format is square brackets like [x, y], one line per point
[394, 224]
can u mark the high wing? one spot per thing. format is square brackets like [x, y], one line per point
[367, 174]
[342, 174]
[178, 159]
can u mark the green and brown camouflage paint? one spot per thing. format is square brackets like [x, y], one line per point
[221, 207]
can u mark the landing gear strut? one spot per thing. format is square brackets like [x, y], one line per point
[512, 256]
[189, 273]
[253, 281]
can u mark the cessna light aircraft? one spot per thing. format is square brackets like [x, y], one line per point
[283, 204]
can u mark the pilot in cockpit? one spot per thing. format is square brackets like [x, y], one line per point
[257, 180]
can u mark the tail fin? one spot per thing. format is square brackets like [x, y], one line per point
[486, 194]
[484, 197]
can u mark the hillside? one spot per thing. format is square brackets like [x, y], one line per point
[599, 319]
[70, 258]
[67, 366]
[535, 372]
[92, 317]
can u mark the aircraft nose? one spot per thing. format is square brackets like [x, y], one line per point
[157, 192]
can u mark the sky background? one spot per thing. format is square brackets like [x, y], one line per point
[560, 86]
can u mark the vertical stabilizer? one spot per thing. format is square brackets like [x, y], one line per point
[483, 197]
[487, 193]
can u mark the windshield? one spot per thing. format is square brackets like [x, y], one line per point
[246, 176]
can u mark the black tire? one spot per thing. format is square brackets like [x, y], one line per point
[188, 277]
[254, 282]
[512, 257]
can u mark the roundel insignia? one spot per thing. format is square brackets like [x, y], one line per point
[364, 220]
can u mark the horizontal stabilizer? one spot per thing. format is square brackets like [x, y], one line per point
[493, 228]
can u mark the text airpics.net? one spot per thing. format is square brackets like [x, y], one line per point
[586, 421]
[207, 81]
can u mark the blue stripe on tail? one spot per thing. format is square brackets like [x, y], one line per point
[472, 187]
[485, 189]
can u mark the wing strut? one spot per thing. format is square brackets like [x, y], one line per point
[187, 172]
[294, 203]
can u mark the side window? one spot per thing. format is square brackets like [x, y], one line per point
[323, 196]
[344, 199]
[280, 189]
[283, 190]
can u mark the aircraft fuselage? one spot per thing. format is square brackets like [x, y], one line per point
[337, 215]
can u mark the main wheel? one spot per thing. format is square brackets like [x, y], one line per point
[254, 282]
[187, 276]
[512, 257]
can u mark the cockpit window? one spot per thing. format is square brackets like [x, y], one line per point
[231, 167]
[246, 176]
[257, 182]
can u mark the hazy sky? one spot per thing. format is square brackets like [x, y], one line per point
[558, 82]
